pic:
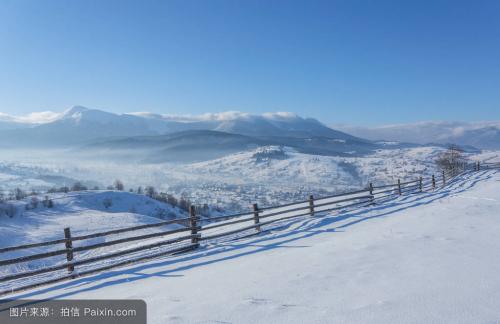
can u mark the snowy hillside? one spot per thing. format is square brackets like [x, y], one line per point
[272, 175]
[33, 176]
[283, 167]
[84, 212]
[487, 156]
[267, 175]
[431, 257]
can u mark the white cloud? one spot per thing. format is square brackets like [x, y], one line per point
[227, 115]
[5, 117]
[32, 118]
[222, 116]
[50, 116]
[458, 131]
[280, 115]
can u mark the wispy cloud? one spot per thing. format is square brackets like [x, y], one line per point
[222, 116]
[50, 116]
[32, 118]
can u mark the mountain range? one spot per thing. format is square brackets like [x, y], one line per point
[80, 124]
[159, 138]
[482, 135]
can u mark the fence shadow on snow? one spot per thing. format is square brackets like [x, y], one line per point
[224, 248]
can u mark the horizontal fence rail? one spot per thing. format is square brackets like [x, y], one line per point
[192, 230]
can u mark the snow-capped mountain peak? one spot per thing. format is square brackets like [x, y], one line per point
[74, 112]
[82, 114]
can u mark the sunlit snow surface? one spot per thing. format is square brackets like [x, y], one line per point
[423, 258]
[232, 182]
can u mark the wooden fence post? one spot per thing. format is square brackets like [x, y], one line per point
[256, 216]
[433, 182]
[399, 187]
[69, 248]
[371, 192]
[478, 166]
[420, 183]
[311, 204]
[193, 224]
[444, 180]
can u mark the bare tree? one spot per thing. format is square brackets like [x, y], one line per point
[453, 160]
[118, 185]
[64, 189]
[78, 186]
[47, 202]
[172, 200]
[19, 194]
[150, 191]
[184, 203]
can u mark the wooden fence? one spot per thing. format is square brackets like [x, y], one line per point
[193, 230]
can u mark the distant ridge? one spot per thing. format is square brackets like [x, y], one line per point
[483, 135]
[79, 125]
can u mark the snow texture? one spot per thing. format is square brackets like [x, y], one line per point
[423, 258]
[267, 175]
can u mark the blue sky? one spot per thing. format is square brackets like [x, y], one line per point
[356, 62]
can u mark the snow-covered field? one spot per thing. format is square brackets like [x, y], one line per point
[84, 213]
[487, 156]
[266, 175]
[423, 258]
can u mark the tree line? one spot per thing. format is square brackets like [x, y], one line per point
[18, 194]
